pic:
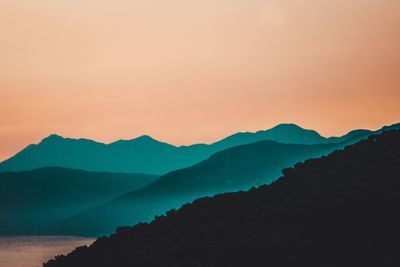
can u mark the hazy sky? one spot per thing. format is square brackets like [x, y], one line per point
[189, 71]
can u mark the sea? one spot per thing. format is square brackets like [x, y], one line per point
[33, 251]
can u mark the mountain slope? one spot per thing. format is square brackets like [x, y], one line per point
[339, 210]
[32, 200]
[237, 168]
[144, 154]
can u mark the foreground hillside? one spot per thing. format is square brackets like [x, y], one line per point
[33, 200]
[237, 168]
[339, 210]
[147, 155]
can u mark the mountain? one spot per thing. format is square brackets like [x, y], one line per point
[283, 133]
[145, 154]
[362, 133]
[32, 200]
[237, 168]
[134, 156]
[338, 210]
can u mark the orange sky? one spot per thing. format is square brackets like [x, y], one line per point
[188, 71]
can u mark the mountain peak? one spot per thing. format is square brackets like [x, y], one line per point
[290, 127]
[52, 138]
[140, 139]
[145, 138]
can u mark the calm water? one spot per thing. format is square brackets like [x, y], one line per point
[32, 251]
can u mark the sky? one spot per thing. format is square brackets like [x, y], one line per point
[186, 71]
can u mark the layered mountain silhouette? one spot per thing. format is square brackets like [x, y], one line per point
[338, 210]
[147, 155]
[237, 168]
[33, 200]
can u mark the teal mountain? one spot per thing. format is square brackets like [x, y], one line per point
[147, 155]
[33, 200]
[338, 210]
[233, 169]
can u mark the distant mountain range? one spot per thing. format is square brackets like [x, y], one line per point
[339, 210]
[58, 200]
[33, 200]
[147, 155]
[237, 168]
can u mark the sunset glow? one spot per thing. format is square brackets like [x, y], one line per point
[188, 71]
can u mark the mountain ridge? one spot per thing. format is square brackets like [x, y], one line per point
[338, 210]
[146, 154]
[233, 169]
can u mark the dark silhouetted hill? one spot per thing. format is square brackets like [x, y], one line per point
[145, 154]
[237, 168]
[32, 200]
[339, 210]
